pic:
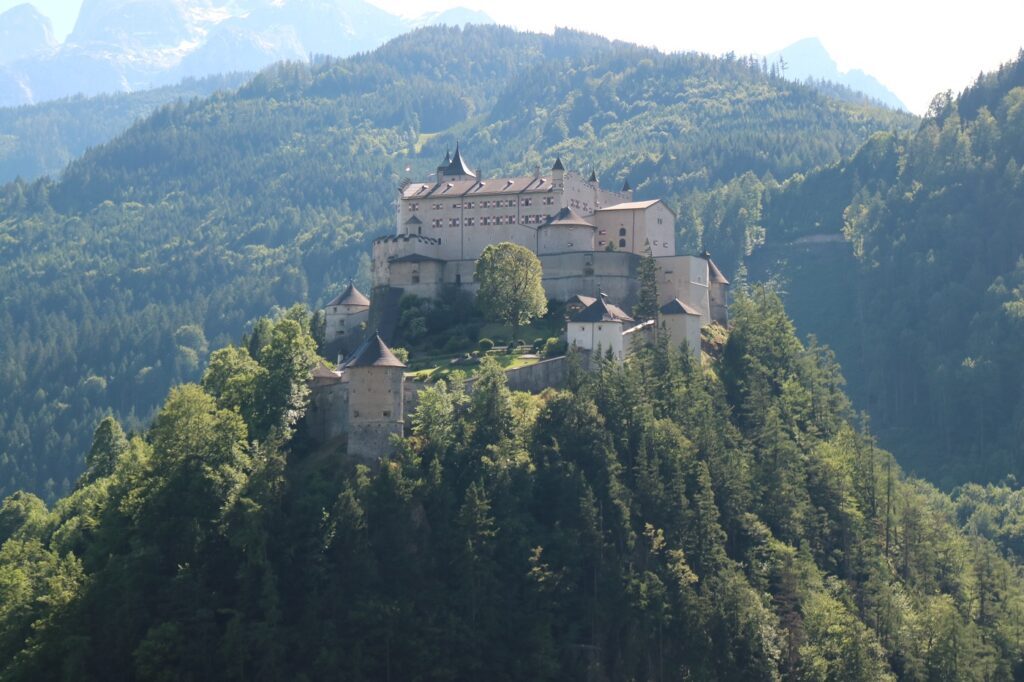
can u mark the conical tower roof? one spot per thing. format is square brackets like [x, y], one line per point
[567, 217]
[373, 352]
[625, 186]
[593, 177]
[351, 296]
[558, 164]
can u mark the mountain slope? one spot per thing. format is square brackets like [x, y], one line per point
[928, 320]
[808, 59]
[129, 45]
[42, 139]
[209, 213]
[24, 33]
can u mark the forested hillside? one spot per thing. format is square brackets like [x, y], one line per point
[119, 276]
[928, 314]
[652, 521]
[44, 138]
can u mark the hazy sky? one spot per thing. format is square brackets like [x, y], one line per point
[915, 48]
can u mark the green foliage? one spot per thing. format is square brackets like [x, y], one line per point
[510, 285]
[211, 211]
[927, 314]
[654, 521]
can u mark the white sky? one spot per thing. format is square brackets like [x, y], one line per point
[915, 48]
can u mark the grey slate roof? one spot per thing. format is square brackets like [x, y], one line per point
[558, 164]
[457, 166]
[714, 274]
[567, 218]
[625, 185]
[416, 258]
[373, 352]
[414, 221]
[601, 311]
[351, 296]
[677, 307]
[593, 177]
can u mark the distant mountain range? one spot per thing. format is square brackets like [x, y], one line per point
[808, 59]
[129, 45]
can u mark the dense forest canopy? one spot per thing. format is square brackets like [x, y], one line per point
[42, 139]
[927, 315]
[653, 520]
[119, 276]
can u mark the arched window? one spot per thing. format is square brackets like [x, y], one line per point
[622, 232]
[622, 242]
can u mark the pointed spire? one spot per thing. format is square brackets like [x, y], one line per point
[625, 186]
[593, 177]
[558, 164]
[456, 166]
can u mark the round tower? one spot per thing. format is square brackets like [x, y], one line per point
[345, 312]
[375, 401]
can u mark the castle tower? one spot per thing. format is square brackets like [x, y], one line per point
[345, 312]
[454, 168]
[558, 174]
[682, 323]
[375, 400]
[598, 327]
[718, 292]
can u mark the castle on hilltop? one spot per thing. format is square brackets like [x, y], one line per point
[590, 242]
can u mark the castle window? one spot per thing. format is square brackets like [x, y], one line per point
[438, 207]
[415, 278]
[511, 219]
[469, 204]
[387, 413]
[414, 207]
[548, 201]
[659, 221]
[458, 279]
[603, 232]
[622, 232]
[456, 205]
[485, 220]
[622, 242]
[485, 204]
[497, 220]
[469, 222]
[355, 413]
[436, 222]
[570, 245]
[453, 222]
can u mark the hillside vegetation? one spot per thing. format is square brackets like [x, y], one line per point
[652, 521]
[119, 276]
[928, 313]
[43, 139]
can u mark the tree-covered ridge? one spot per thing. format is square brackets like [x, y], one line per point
[932, 322]
[654, 520]
[42, 139]
[118, 276]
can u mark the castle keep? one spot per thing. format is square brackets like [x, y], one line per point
[590, 241]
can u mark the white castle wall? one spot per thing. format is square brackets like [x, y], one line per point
[596, 336]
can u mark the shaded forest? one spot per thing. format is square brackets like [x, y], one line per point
[653, 520]
[925, 306]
